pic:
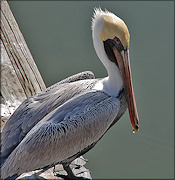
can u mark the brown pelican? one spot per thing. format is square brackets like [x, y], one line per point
[69, 118]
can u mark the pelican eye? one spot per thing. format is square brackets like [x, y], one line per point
[118, 44]
[117, 40]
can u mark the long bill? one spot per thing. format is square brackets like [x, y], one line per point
[124, 66]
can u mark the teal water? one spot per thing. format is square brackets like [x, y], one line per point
[59, 37]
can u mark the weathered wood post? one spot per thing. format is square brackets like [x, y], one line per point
[21, 79]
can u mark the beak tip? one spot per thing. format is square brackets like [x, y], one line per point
[136, 129]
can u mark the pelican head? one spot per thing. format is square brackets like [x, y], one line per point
[111, 42]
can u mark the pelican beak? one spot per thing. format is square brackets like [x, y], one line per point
[123, 62]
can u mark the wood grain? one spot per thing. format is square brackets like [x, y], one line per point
[20, 77]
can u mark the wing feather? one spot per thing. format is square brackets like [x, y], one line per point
[65, 131]
[35, 108]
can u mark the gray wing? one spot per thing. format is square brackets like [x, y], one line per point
[33, 109]
[80, 76]
[68, 129]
